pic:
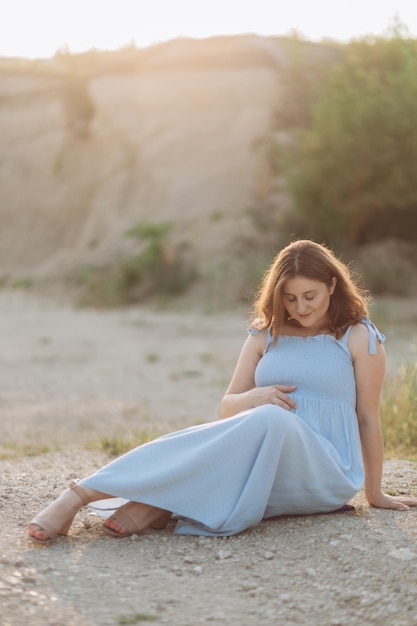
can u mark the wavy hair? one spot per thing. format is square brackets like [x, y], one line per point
[348, 303]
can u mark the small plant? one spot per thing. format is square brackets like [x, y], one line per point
[399, 412]
[14, 450]
[25, 282]
[116, 444]
[158, 269]
[135, 618]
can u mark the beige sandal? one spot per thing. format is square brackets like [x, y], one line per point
[161, 522]
[127, 517]
[43, 522]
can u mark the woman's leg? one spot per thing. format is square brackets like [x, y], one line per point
[57, 517]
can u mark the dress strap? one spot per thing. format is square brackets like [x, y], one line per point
[374, 334]
[344, 339]
[255, 331]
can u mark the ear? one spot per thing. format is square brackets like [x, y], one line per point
[332, 285]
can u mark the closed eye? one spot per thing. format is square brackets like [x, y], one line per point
[305, 297]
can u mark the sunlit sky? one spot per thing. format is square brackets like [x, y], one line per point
[38, 28]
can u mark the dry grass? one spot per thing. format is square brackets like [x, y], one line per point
[399, 412]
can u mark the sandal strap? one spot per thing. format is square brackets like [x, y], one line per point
[43, 524]
[128, 523]
[75, 486]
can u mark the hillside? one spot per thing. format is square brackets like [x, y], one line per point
[94, 143]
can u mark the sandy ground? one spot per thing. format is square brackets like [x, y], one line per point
[72, 378]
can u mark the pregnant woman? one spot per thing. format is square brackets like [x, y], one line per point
[300, 430]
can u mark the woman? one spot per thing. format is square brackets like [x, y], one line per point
[302, 432]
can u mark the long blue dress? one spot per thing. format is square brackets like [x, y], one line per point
[225, 476]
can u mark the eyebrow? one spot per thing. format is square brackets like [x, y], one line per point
[303, 294]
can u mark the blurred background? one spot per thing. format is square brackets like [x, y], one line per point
[174, 148]
[160, 153]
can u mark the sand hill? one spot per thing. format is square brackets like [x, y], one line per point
[86, 156]
[92, 144]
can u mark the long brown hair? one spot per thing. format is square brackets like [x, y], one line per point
[348, 303]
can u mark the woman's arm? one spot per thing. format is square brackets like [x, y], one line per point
[242, 394]
[369, 376]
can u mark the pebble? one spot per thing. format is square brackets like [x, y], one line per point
[216, 617]
[285, 597]
[223, 554]
[189, 559]
[249, 586]
[403, 554]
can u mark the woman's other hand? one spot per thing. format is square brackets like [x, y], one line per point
[399, 503]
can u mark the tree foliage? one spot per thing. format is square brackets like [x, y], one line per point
[354, 171]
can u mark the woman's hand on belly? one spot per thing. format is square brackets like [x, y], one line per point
[272, 394]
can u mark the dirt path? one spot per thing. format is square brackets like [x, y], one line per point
[78, 377]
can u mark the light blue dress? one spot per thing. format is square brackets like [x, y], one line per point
[225, 476]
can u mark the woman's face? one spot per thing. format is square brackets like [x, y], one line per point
[307, 301]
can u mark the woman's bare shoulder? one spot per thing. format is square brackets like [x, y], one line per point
[359, 332]
[360, 340]
[258, 338]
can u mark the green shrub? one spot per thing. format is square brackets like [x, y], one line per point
[158, 269]
[303, 71]
[353, 172]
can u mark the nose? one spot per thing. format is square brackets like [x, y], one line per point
[302, 307]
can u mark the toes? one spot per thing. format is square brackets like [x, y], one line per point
[37, 533]
[113, 525]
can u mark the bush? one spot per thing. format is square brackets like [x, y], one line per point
[158, 269]
[302, 74]
[353, 172]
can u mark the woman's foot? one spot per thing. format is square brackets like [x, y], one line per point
[162, 521]
[133, 517]
[58, 516]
